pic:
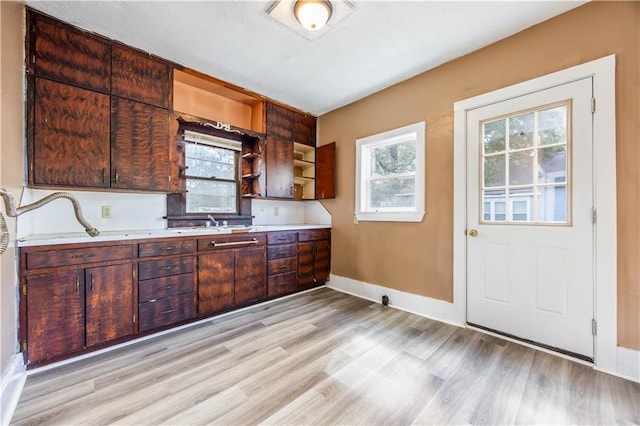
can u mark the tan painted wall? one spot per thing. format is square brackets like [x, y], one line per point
[11, 162]
[417, 258]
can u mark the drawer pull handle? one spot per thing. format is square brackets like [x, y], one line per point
[168, 311]
[282, 253]
[83, 256]
[166, 268]
[166, 287]
[281, 239]
[284, 284]
[167, 248]
[282, 267]
[235, 243]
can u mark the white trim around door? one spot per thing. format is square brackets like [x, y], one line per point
[604, 133]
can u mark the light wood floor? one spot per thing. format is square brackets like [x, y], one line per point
[326, 358]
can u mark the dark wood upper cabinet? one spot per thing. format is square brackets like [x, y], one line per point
[70, 143]
[109, 303]
[325, 171]
[65, 54]
[304, 129]
[279, 168]
[139, 77]
[139, 146]
[280, 122]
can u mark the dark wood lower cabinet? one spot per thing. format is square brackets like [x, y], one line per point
[215, 282]
[109, 303]
[76, 298]
[55, 314]
[250, 277]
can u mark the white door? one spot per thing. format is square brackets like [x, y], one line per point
[529, 217]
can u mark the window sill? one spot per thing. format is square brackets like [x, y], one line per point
[390, 216]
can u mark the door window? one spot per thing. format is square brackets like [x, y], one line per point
[525, 166]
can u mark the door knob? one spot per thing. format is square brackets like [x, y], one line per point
[473, 233]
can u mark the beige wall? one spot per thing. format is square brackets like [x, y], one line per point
[417, 258]
[11, 161]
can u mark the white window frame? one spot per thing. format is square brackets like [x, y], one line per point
[411, 132]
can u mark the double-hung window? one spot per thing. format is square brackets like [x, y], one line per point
[390, 175]
[212, 173]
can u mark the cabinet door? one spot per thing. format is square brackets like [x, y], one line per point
[55, 314]
[139, 146]
[322, 262]
[64, 54]
[109, 303]
[215, 282]
[325, 171]
[305, 264]
[138, 77]
[279, 168]
[304, 129]
[280, 122]
[250, 271]
[71, 136]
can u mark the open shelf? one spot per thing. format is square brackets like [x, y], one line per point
[304, 172]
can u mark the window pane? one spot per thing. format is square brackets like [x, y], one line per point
[494, 136]
[497, 200]
[552, 125]
[211, 197]
[519, 210]
[552, 164]
[521, 200]
[209, 161]
[392, 192]
[521, 131]
[521, 168]
[394, 159]
[552, 204]
[487, 211]
[494, 171]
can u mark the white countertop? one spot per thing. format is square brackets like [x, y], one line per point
[82, 237]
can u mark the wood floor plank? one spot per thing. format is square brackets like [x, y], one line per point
[324, 357]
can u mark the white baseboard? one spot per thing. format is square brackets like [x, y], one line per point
[11, 388]
[628, 363]
[420, 305]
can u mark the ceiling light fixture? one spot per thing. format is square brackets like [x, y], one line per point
[312, 14]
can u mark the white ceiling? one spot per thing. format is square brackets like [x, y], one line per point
[378, 44]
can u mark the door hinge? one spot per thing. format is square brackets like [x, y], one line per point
[594, 216]
[24, 290]
[594, 327]
[593, 105]
[24, 345]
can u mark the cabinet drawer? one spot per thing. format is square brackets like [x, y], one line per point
[281, 284]
[281, 237]
[231, 241]
[314, 234]
[165, 311]
[281, 252]
[178, 246]
[77, 256]
[165, 267]
[159, 288]
[282, 266]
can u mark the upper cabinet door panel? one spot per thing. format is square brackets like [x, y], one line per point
[67, 55]
[139, 146]
[304, 129]
[138, 77]
[71, 136]
[280, 122]
[279, 168]
[326, 171]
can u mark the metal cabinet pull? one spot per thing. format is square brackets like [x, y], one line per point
[83, 256]
[93, 281]
[166, 268]
[281, 253]
[282, 267]
[234, 243]
[166, 287]
[168, 311]
[167, 248]
[77, 284]
[117, 176]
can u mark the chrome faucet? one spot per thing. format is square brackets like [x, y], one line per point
[213, 221]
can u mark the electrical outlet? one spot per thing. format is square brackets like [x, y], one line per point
[106, 212]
